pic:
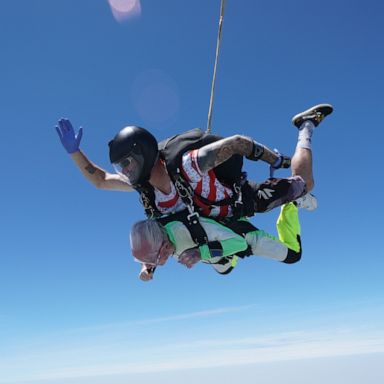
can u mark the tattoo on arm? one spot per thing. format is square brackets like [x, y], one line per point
[214, 154]
[90, 169]
[269, 156]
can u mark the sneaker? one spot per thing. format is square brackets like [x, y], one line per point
[308, 202]
[315, 114]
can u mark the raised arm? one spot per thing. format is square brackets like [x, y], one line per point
[99, 177]
[93, 173]
[213, 154]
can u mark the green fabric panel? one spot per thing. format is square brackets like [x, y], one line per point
[234, 245]
[288, 226]
[205, 254]
[260, 233]
[169, 229]
[230, 246]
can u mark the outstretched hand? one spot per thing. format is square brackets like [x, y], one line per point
[146, 273]
[68, 137]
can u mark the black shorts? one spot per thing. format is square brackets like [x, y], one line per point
[271, 193]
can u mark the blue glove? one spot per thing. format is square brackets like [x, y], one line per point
[281, 162]
[68, 137]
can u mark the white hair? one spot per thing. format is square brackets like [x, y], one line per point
[149, 231]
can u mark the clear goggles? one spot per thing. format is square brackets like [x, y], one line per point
[123, 165]
[152, 256]
[155, 255]
[129, 168]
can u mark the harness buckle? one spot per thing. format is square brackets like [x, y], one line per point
[193, 217]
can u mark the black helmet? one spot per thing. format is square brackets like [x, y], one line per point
[138, 144]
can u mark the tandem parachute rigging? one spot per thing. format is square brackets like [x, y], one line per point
[218, 43]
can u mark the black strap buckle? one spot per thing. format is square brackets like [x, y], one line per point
[193, 217]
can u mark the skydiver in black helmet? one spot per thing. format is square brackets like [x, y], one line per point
[135, 157]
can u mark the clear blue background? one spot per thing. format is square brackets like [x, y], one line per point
[72, 307]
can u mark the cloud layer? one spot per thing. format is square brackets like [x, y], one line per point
[144, 347]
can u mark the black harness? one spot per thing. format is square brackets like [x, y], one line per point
[228, 173]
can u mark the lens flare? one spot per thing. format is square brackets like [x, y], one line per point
[123, 10]
[155, 96]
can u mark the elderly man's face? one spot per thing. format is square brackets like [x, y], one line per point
[148, 255]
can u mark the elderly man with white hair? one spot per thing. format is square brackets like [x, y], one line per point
[152, 243]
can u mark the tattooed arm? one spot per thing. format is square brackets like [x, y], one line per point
[97, 176]
[212, 155]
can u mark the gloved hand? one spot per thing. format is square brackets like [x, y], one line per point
[67, 135]
[281, 162]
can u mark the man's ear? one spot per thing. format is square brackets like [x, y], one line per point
[169, 246]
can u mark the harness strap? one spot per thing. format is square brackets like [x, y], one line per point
[147, 198]
[191, 221]
[241, 227]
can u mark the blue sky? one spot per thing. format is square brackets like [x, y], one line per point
[72, 307]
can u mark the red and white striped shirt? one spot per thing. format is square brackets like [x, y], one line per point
[168, 204]
[204, 184]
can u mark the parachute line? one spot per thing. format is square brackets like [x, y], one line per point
[209, 123]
